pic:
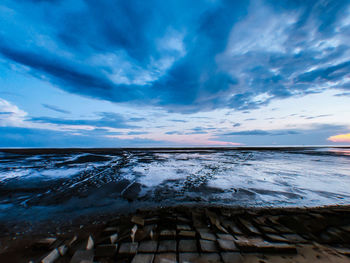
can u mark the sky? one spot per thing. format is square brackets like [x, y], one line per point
[112, 73]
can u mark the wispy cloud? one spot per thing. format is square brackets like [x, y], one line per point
[55, 108]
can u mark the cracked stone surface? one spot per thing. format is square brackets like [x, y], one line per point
[259, 235]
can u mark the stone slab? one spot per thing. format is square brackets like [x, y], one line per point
[165, 258]
[148, 246]
[187, 246]
[208, 246]
[184, 233]
[225, 236]
[209, 257]
[227, 245]
[138, 220]
[167, 246]
[86, 256]
[232, 257]
[183, 227]
[128, 248]
[207, 235]
[168, 233]
[143, 258]
[188, 257]
[107, 250]
[51, 257]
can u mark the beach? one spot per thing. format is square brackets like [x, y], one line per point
[49, 197]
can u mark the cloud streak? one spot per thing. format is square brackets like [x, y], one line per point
[55, 108]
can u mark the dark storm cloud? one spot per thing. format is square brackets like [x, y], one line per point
[106, 119]
[185, 56]
[55, 108]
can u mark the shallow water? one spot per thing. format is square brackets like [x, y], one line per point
[68, 184]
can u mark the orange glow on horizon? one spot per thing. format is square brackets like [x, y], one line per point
[340, 138]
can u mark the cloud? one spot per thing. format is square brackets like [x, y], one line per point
[106, 119]
[340, 138]
[249, 132]
[175, 120]
[12, 115]
[318, 116]
[174, 132]
[342, 94]
[32, 137]
[55, 108]
[215, 54]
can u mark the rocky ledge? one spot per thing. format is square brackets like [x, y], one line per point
[199, 234]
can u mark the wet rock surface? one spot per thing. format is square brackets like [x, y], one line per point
[218, 234]
[41, 184]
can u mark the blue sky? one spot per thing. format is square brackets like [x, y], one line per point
[88, 73]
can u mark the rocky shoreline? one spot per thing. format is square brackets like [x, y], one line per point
[189, 233]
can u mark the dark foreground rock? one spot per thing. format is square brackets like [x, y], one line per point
[197, 234]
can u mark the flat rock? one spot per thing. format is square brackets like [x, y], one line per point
[187, 246]
[185, 233]
[110, 230]
[208, 246]
[167, 246]
[225, 236]
[249, 226]
[128, 248]
[51, 257]
[138, 220]
[85, 256]
[207, 235]
[143, 258]
[165, 258]
[148, 246]
[294, 238]
[209, 257]
[227, 245]
[276, 238]
[234, 228]
[45, 243]
[215, 221]
[183, 227]
[259, 245]
[268, 230]
[151, 220]
[168, 233]
[108, 250]
[188, 257]
[183, 219]
[232, 257]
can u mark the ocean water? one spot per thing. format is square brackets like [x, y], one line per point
[37, 185]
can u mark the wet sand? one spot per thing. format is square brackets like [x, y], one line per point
[191, 234]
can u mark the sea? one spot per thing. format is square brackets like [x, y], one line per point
[40, 184]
